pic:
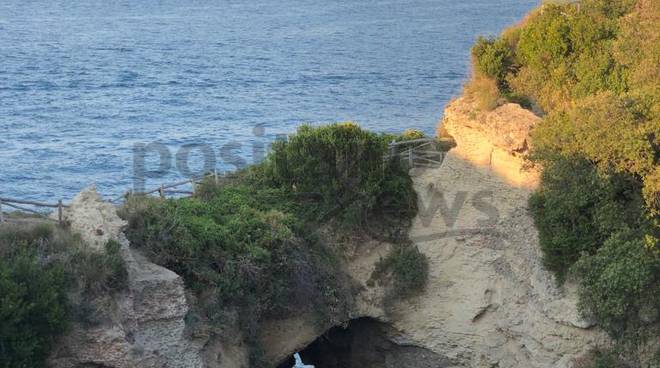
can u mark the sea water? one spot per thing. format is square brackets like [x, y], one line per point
[83, 82]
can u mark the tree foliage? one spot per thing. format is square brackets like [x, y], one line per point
[621, 285]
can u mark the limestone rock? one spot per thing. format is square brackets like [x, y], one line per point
[489, 301]
[496, 140]
[94, 219]
[142, 326]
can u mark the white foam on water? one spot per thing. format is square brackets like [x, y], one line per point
[299, 362]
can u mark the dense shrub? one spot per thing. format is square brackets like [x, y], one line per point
[33, 305]
[577, 209]
[620, 285]
[40, 267]
[344, 165]
[219, 242]
[407, 267]
[493, 58]
[604, 131]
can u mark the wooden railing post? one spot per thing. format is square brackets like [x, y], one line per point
[2, 215]
[59, 211]
[410, 157]
[215, 176]
[161, 191]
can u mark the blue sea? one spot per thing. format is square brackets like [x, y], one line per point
[82, 83]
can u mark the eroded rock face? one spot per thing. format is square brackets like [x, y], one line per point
[496, 140]
[143, 326]
[94, 219]
[489, 301]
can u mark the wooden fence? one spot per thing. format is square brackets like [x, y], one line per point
[421, 152]
[20, 204]
[164, 190]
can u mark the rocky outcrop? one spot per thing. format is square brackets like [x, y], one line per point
[142, 326]
[495, 140]
[489, 301]
[94, 219]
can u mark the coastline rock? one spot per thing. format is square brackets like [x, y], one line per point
[489, 301]
[143, 326]
[496, 141]
[93, 218]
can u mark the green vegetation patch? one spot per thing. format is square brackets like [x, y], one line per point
[41, 266]
[406, 268]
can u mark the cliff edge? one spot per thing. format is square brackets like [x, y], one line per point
[489, 301]
[494, 140]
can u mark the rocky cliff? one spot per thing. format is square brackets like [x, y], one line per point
[142, 326]
[488, 303]
[494, 140]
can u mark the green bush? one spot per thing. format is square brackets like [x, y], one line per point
[564, 210]
[592, 69]
[344, 165]
[33, 301]
[214, 242]
[577, 209]
[620, 284]
[41, 267]
[545, 41]
[405, 268]
[562, 53]
[493, 58]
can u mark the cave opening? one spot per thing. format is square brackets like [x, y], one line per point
[364, 343]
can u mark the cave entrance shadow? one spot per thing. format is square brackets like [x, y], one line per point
[365, 343]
